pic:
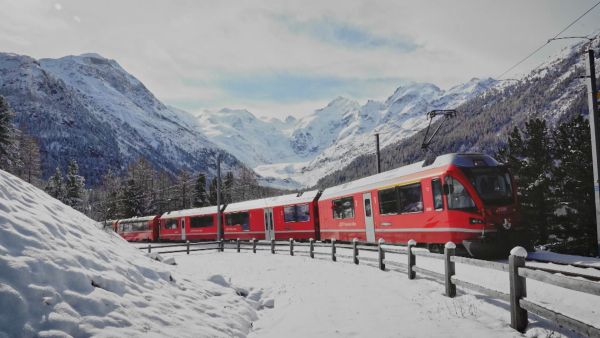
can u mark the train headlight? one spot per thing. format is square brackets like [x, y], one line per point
[475, 221]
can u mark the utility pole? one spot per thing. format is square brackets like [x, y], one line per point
[377, 154]
[594, 117]
[219, 215]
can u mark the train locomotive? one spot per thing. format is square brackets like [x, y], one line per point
[469, 199]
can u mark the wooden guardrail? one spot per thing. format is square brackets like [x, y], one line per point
[518, 273]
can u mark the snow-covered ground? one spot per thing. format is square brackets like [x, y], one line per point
[62, 276]
[320, 298]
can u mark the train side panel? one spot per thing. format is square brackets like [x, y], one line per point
[345, 225]
[237, 226]
[201, 227]
[299, 223]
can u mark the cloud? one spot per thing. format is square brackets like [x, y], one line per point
[57, 6]
[268, 55]
[298, 87]
[330, 30]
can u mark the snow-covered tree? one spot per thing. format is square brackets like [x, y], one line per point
[5, 126]
[29, 156]
[74, 186]
[55, 186]
[200, 194]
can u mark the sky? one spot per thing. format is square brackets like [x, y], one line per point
[278, 58]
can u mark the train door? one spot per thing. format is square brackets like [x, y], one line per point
[183, 229]
[368, 213]
[269, 231]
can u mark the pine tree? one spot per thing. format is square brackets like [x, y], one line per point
[5, 126]
[212, 193]
[55, 187]
[573, 187]
[200, 195]
[9, 140]
[228, 187]
[184, 189]
[29, 155]
[74, 186]
[529, 156]
[111, 186]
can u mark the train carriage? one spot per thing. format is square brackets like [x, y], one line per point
[138, 229]
[282, 217]
[468, 199]
[190, 224]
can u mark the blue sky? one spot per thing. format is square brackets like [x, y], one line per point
[276, 58]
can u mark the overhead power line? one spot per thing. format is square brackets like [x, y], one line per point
[547, 42]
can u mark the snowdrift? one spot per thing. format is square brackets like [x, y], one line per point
[62, 276]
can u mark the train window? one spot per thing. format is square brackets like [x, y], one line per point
[493, 184]
[343, 208]
[436, 188]
[139, 226]
[458, 196]
[410, 198]
[368, 208]
[388, 201]
[201, 222]
[296, 213]
[238, 218]
[170, 224]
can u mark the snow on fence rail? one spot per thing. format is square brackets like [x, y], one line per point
[518, 273]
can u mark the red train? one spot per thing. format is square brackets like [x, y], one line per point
[469, 199]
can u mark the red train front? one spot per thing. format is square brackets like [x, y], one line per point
[468, 199]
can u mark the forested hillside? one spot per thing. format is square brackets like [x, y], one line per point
[553, 92]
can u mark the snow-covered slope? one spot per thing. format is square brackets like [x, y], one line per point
[304, 150]
[61, 276]
[88, 108]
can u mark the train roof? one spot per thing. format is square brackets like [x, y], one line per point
[305, 197]
[190, 212]
[137, 219]
[395, 175]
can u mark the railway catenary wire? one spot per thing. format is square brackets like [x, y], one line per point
[547, 42]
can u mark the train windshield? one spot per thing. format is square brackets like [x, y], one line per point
[493, 184]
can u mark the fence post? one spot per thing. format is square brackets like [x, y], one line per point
[411, 259]
[187, 243]
[518, 288]
[450, 269]
[291, 246]
[149, 247]
[355, 250]
[333, 257]
[253, 245]
[237, 244]
[312, 248]
[381, 253]
[222, 245]
[273, 246]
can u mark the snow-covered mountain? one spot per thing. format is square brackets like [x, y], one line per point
[553, 91]
[88, 108]
[301, 151]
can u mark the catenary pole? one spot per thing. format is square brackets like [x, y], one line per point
[594, 117]
[219, 216]
[377, 155]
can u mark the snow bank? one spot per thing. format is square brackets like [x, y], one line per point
[62, 276]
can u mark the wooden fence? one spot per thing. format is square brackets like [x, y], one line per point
[518, 273]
